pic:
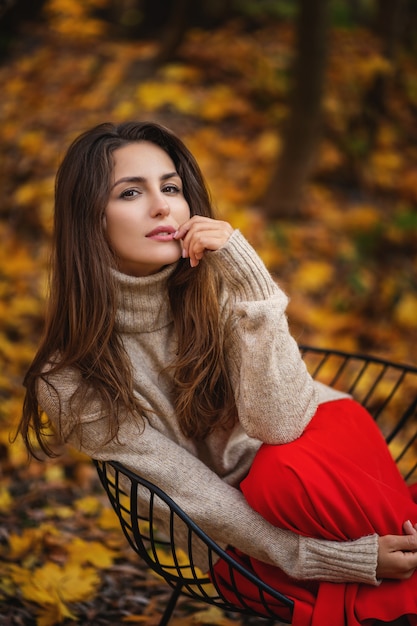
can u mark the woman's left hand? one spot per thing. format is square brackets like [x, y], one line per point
[200, 234]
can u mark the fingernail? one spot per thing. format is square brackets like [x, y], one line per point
[184, 254]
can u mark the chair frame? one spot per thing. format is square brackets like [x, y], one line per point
[347, 371]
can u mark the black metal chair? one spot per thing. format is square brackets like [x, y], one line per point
[389, 392]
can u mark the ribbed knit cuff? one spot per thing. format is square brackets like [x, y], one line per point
[245, 270]
[353, 561]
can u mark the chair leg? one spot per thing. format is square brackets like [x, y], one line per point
[171, 605]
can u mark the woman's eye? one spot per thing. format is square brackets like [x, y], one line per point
[129, 193]
[171, 189]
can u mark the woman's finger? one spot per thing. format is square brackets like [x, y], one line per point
[200, 234]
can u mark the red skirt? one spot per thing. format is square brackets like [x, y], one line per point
[338, 481]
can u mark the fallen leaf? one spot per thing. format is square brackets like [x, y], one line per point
[51, 584]
[93, 552]
[406, 311]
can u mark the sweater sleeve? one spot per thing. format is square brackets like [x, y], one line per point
[210, 502]
[275, 395]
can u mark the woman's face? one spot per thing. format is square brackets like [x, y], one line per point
[145, 208]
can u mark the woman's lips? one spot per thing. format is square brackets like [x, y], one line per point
[162, 233]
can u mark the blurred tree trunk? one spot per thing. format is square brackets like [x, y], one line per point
[183, 15]
[355, 9]
[302, 129]
[174, 33]
[133, 19]
[166, 21]
[16, 11]
[13, 15]
[410, 27]
[390, 24]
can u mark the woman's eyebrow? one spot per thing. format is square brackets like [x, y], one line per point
[142, 179]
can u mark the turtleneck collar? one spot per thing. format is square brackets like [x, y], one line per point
[143, 304]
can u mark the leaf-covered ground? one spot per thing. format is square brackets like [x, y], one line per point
[349, 265]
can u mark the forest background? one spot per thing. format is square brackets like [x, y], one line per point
[302, 115]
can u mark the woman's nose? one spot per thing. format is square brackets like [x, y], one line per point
[160, 205]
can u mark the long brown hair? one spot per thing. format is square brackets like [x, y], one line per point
[80, 322]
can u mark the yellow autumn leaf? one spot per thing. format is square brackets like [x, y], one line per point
[124, 110]
[93, 552]
[250, 222]
[232, 147]
[20, 545]
[29, 540]
[178, 72]
[52, 584]
[370, 65]
[336, 323]
[268, 145]
[361, 217]
[62, 7]
[26, 305]
[53, 614]
[220, 102]
[7, 588]
[153, 95]
[6, 500]
[60, 512]
[272, 256]
[31, 142]
[312, 276]
[12, 407]
[89, 505]
[385, 167]
[166, 560]
[78, 584]
[35, 191]
[108, 520]
[19, 575]
[212, 615]
[71, 19]
[406, 311]
[17, 265]
[5, 385]
[54, 473]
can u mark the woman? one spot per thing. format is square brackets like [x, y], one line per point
[167, 348]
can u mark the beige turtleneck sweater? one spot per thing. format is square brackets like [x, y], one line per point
[275, 398]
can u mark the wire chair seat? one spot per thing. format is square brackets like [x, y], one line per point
[387, 390]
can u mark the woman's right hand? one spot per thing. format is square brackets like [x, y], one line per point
[200, 234]
[397, 554]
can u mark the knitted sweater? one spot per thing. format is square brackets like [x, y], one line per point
[275, 399]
